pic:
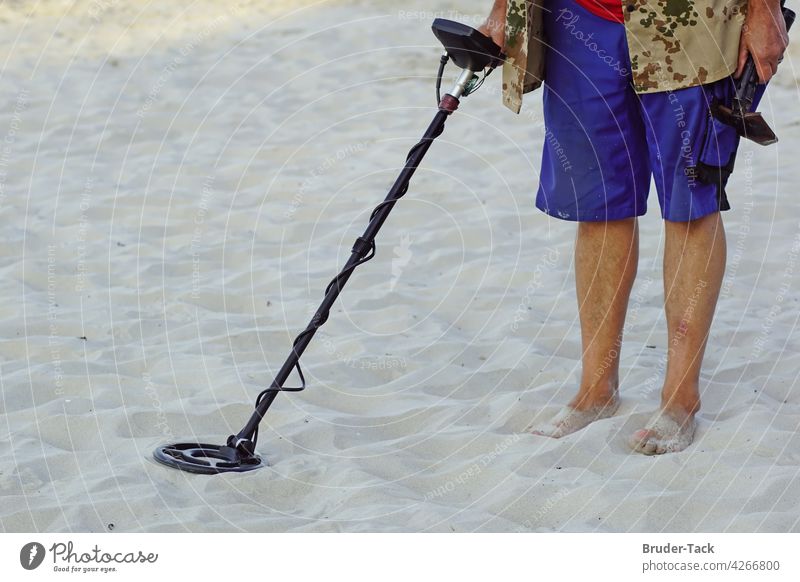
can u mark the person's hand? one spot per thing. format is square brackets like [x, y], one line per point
[495, 25]
[764, 37]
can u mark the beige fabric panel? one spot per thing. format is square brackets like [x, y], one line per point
[673, 44]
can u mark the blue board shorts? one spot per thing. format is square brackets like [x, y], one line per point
[603, 141]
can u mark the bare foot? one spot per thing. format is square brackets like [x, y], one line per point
[572, 419]
[668, 431]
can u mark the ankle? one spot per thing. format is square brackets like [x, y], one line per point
[681, 402]
[605, 386]
[594, 396]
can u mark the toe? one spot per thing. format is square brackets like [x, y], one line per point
[644, 441]
[551, 432]
[638, 439]
[649, 447]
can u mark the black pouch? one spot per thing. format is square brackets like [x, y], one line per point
[715, 160]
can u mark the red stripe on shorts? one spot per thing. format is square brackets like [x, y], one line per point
[608, 9]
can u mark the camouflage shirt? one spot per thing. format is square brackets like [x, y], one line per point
[673, 44]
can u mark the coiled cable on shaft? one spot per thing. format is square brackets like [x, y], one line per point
[363, 248]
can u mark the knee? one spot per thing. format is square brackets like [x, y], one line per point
[611, 232]
[709, 221]
[605, 226]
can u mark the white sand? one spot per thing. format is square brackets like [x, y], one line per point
[179, 183]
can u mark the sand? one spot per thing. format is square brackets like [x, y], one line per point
[180, 181]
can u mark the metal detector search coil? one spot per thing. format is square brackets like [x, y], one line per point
[472, 51]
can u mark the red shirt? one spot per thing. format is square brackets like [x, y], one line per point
[608, 9]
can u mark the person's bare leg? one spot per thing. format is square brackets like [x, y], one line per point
[694, 264]
[606, 258]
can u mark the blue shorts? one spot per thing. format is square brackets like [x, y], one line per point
[603, 141]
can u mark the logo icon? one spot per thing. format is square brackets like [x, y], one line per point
[31, 555]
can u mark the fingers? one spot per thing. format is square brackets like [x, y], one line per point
[743, 52]
[498, 36]
[500, 40]
[761, 69]
[764, 38]
[766, 63]
[766, 67]
[495, 25]
[767, 72]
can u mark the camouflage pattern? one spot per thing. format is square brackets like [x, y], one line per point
[524, 66]
[673, 44]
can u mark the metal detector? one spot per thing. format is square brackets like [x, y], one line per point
[471, 51]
